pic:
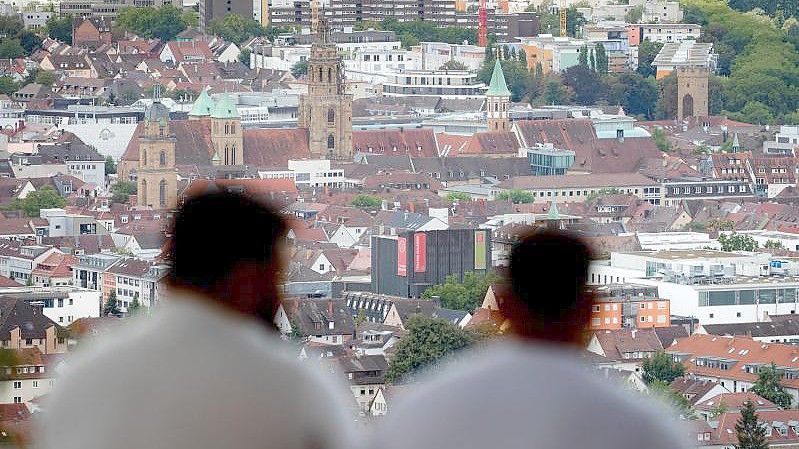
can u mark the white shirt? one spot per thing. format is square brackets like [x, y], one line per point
[525, 397]
[193, 376]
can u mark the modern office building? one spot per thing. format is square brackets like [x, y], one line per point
[407, 264]
[546, 160]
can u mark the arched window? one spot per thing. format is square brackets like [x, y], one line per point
[144, 157]
[233, 154]
[162, 158]
[227, 154]
[320, 74]
[331, 142]
[329, 75]
[143, 193]
[232, 127]
[227, 128]
[331, 116]
[162, 193]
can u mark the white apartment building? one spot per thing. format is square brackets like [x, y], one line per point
[658, 11]
[63, 305]
[311, 173]
[670, 32]
[659, 241]
[713, 286]
[461, 84]
[373, 65]
[785, 141]
[17, 262]
[433, 55]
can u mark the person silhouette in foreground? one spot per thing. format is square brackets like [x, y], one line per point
[207, 369]
[530, 391]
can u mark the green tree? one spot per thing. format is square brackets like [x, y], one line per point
[582, 58]
[59, 29]
[299, 68]
[720, 409]
[635, 93]
[453, 64]
[585, 83]
[368, 202]
[7, 85]
[460, 197]
[773, 244]
[466, 295]
[602, 63]
[122, 190]
[751, 434]
[112, 306]
[164, 22]
[647, 51]
[135, 307]
[737, 242]
[235, 28]
[754, 112]
[516, 196]
[110, 165]
[11, 49]
[429, 341]
[601, 192]
[554, 93]
[244, 56]
[44, 198]
[661, 367]
[661, 142]
[45, 78]
[634, 15]
[719, 224]
[769, 386]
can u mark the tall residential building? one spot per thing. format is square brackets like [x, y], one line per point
[343, 13]
[326, 110]
[108, 9]
[498, 101]
[218, 9]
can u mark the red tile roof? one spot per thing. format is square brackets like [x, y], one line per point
[418, 142]
[272, 148]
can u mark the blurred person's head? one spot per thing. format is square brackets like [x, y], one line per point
[227, 248]
[548, 272]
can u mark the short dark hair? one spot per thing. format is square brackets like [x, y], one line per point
[213, 232]
[548, 273]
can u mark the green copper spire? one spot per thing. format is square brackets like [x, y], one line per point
[498, 87]
[225, 108]
[553, 213]
[202, 106]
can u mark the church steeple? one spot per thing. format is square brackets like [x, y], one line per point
[326, 110]
[498, 101]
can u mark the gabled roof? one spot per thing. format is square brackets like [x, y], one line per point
[615, 344]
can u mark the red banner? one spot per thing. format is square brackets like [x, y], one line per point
[402, 256]
[420, 252]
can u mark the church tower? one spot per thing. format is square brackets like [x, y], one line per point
[498, 101]
[157, 178]
[226, 134]
[202, 106]
[326, 110]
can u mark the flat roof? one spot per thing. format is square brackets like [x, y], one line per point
[688, 254]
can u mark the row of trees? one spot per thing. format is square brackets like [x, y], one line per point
[17, 41]
[466, 295]
[413, 32]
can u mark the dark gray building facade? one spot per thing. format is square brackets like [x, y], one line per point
[407, 264]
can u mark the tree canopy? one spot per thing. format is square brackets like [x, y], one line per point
[164, 22]
[60, 29]
[751, 435]
[769, 386]
[737, 242]
[661, 367]
[122, 190]
[516, 196]
[466, 295]
[429, 341]
[236, 28]
[44, 198]
[369, 202]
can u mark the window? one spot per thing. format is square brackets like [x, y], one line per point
[35, 384]
[17, 400]
[331, 116]
[17, 385]
[594, 308]
[162, 193]
[162, 158]
[331, 142]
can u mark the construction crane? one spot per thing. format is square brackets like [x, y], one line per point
[563, 18]
[482, 24]
[314, 16]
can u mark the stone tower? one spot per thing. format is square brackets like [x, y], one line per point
[498, 101]
[226, 134]
[156, 175]
[692, 92]
[326, 110]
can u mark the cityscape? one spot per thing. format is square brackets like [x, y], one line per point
[410, 146]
